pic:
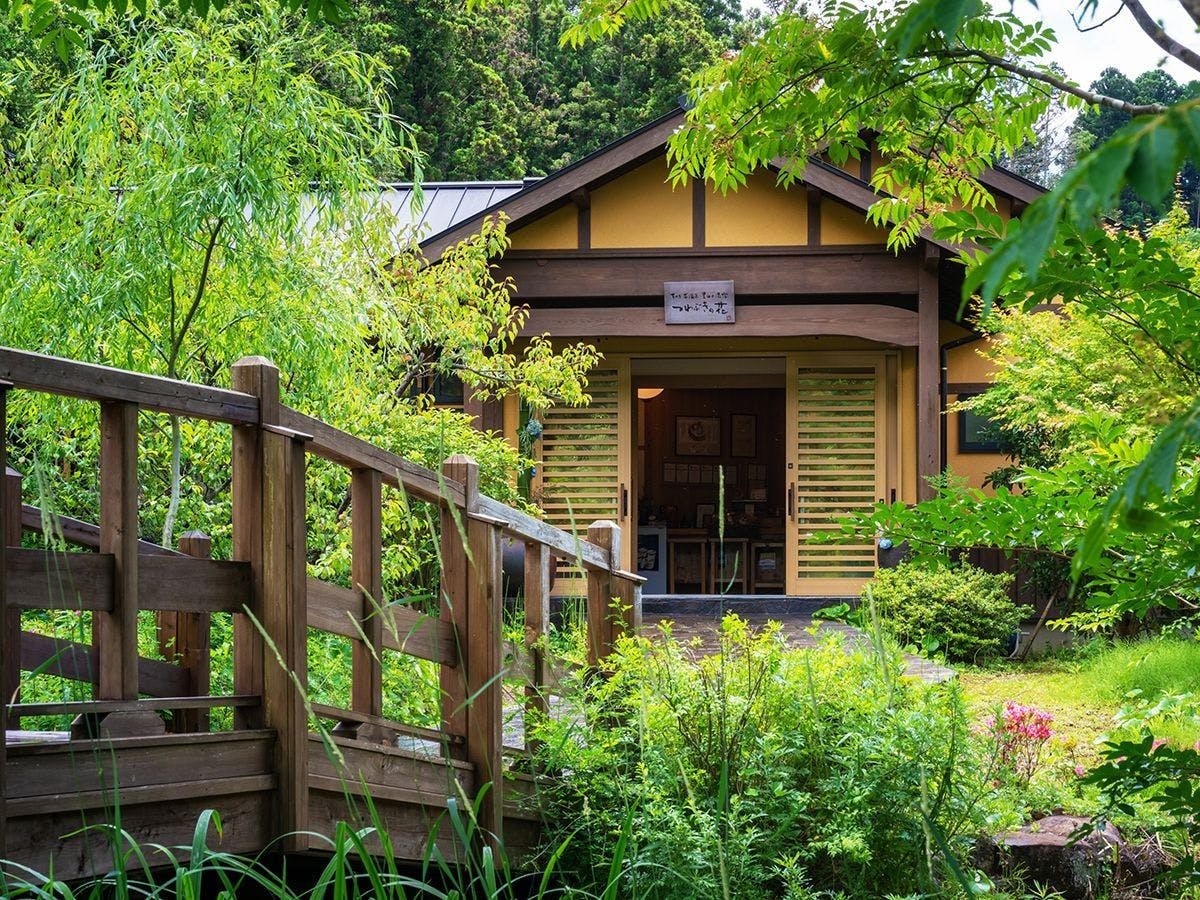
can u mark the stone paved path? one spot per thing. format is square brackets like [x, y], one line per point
[796, 629]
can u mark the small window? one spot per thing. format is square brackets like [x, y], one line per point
[976, 433]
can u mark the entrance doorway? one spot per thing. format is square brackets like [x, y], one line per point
[711, 476]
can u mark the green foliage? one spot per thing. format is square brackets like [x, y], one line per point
[816, 85]
[962, 612]
[1165, 777]
[737, 774]
[1095, 125]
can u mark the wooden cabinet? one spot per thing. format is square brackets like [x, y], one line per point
[688, 565]
[728, 565]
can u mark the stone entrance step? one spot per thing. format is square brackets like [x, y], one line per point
[742, 604]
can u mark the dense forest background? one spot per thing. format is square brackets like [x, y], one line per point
[489, 91]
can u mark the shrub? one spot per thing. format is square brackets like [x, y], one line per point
[962, 612]
[761, 769]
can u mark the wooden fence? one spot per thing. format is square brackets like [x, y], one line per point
[270, 776]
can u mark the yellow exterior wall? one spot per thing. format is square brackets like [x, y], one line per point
[758, 214]
[908, 425]
[842, 225]
[640, 209]
[558, 230]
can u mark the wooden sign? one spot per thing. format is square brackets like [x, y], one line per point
[698, 302]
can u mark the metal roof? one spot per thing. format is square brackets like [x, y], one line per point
[444, 204]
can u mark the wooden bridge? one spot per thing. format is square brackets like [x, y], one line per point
[271, 776]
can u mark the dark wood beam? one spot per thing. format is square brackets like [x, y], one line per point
[582, 276]
[699, 190]
[873, 322]
[929, 419]
[814, 217]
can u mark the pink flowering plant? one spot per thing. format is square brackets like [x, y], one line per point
[1020, 734]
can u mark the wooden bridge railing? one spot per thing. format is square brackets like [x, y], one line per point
[273, 601]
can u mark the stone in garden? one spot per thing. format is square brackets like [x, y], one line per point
[1091, 867]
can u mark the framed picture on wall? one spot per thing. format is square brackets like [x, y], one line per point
[743, 434]
[697, 436]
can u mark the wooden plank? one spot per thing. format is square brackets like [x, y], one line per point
[537, 626]
[187, 635]
[453, 589]
[100, 707]
[81, 534]
[524, 527]
[41, 579]
[259, 377]
[581, 276]
[58, 843]
[334, 609]
[354, 453]
[929, 424]
[193, 585]
[46, 769]
[166, 794]
[68, 659]
[871, 321]
[366, 574]
[5, 647]
[336, 714]
[54, 375]
[285, 621]
[114, 633]
[10, 616]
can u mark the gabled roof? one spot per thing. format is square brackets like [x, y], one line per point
[542, 195]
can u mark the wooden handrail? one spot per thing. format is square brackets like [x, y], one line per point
[54, 375]
[80, 534]
[353, 452]
[272, 599]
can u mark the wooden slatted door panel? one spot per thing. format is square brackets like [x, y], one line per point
[584, 458]
[837, 466]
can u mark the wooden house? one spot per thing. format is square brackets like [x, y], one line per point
[766, 358]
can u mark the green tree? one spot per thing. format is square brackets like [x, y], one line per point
[1096, 125]
[193, 194]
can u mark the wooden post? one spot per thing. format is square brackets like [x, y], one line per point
[485, 710]
[455, 576]
[257, 376]
[472, 597]
[285, 621]
[929, 446]
[6, 648]
[186, 637]
[602, 591]
[366, 496]
[10, 679]
[537, 623]
[114, 634]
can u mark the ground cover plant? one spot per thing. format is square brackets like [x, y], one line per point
[765, 772]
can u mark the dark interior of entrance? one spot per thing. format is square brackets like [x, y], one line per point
[706, 456]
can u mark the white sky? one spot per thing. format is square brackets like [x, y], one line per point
[1119, 43]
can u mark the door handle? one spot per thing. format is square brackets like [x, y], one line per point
[624, 501]
[791, 501]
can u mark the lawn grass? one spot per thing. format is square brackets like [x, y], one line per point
[1085, 688]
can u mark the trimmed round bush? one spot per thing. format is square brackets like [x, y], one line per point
[962, 612]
